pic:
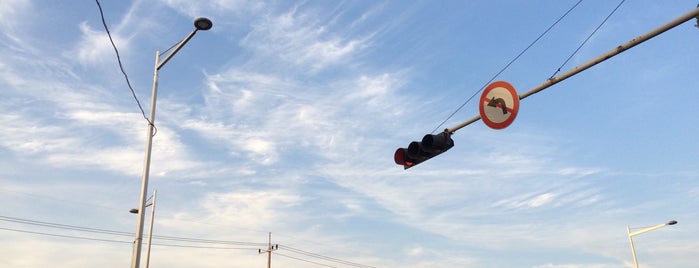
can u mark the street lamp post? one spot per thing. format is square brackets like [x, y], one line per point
[151, 204]
[645, 230]
[199, 24]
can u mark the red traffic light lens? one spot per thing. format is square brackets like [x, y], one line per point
[399, 156]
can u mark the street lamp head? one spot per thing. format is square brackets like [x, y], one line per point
[134, 210]
[203, 24]
[673, 222]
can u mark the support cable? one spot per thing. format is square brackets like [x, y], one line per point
[506, 66]
[587, 39]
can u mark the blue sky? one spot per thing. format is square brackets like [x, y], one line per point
[284, 118]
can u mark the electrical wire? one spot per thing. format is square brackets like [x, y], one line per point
[208, 241]
[119, 241]
[119, 233]
[304, 260]
[315, 255]
[63, 226]
[204, 247]
[506, 66]
[587, 39]
[121, 67]
[193, 241]
[65, 236]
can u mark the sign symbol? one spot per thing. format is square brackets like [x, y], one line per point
[498, 105]
[499, 101]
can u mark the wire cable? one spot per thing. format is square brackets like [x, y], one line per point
[304, 260]
[208, 241]
[63, 226]
[66, 236]
[506, 66]
[119, 233]
[315, 255]
[119, 241]
[192, 241]
[121, 66]
[587, 39]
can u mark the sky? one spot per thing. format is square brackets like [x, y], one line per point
[284, 118]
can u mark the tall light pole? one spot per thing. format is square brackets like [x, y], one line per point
[645, 230]
[199, 24]
[151, 204]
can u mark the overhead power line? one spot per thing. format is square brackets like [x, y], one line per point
[322, 257]
[189, 242]
[507, 66]
[121, 67]
[273, 248]
[65, 236]
[119, 233]
[63, 226]
[304, 260]
[118, 241]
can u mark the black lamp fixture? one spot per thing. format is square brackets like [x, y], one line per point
[203, 24]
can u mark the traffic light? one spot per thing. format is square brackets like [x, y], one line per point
[417, 152]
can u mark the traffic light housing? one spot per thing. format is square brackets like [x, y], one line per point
[417, 152]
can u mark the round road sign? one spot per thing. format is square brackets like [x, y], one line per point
[498, 105]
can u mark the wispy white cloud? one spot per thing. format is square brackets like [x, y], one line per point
[244, 209]
[196, 9]
[255, 209]
[267, 115]
[415, 251]
[570, 194]
[81, 127]
[246, 91]
[94, 47]
[300, 40]
[527, 201]
[14, 13]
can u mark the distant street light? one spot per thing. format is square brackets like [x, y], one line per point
[151, 204]
[199, 24]
[645, 230]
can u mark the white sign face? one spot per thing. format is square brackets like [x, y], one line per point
[498, 105]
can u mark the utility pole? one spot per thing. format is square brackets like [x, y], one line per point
[269, 250]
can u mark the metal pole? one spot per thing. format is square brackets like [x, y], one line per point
[554, 80]
[199, 24]
[179, 46]
[150, 229]
[642, 231]
[633, 251]
[136, 256]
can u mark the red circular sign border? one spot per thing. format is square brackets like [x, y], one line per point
[515, 106]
